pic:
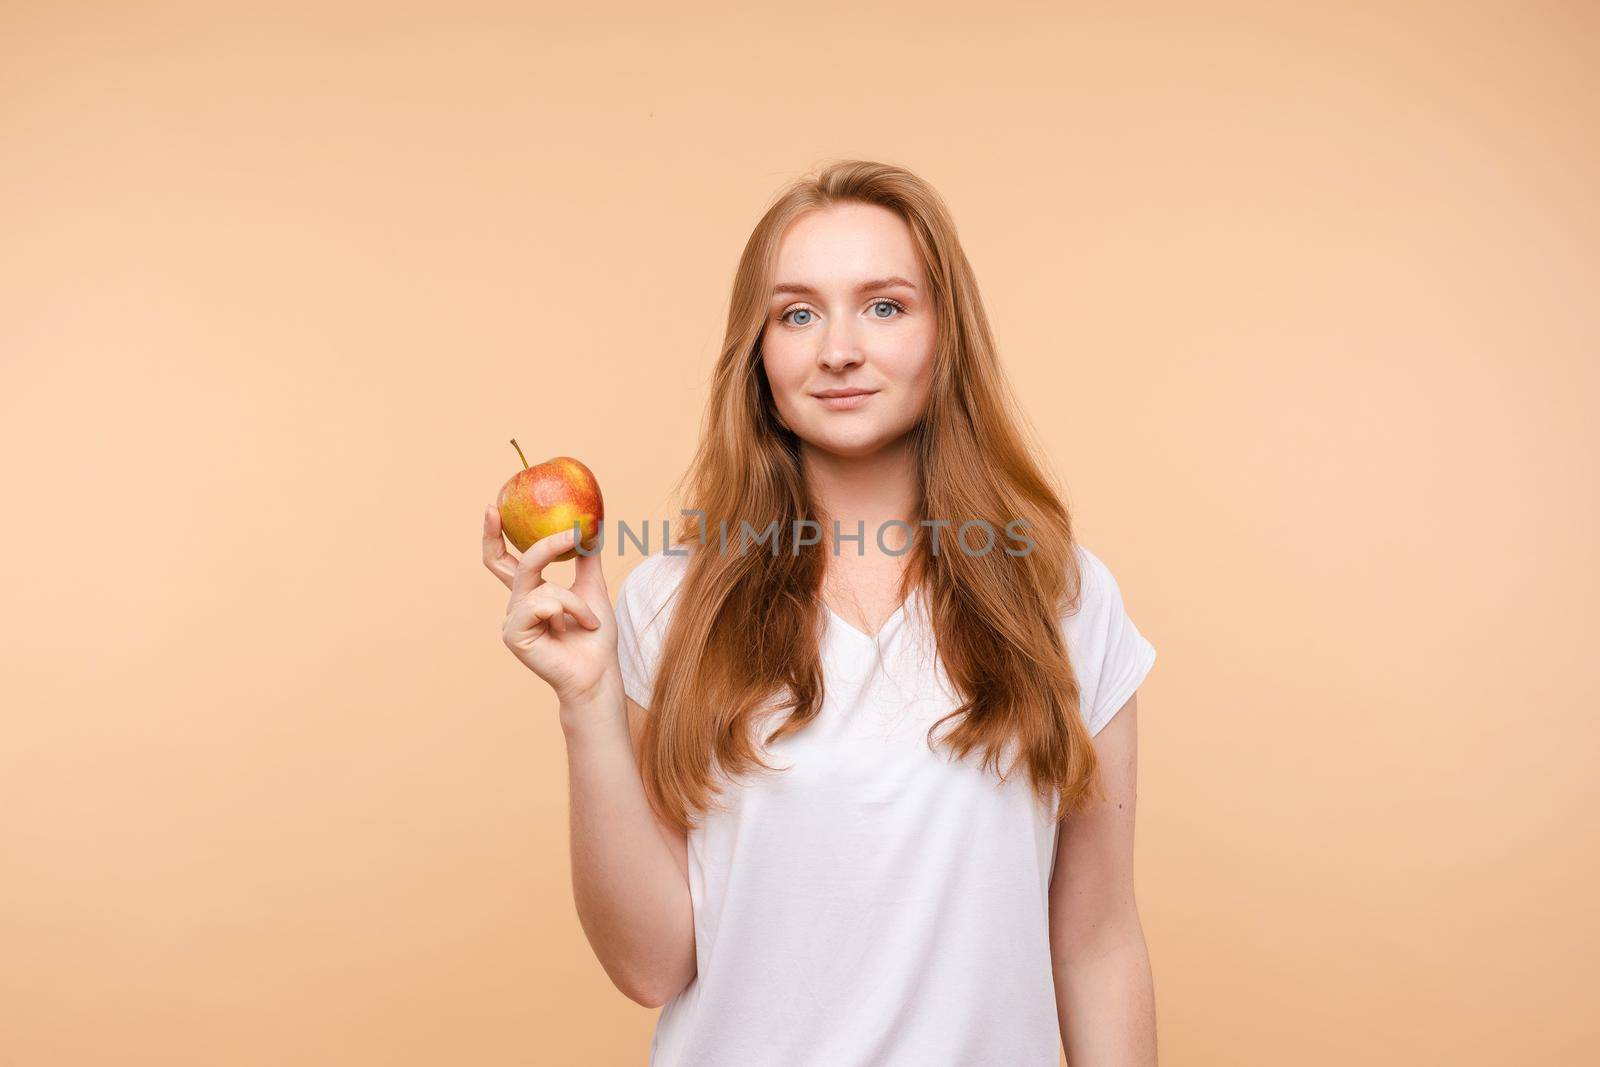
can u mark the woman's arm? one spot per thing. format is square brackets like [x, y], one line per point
[1105, 997]
[629, 872]
[630, 876]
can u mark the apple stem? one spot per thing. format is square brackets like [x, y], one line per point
[519, 453]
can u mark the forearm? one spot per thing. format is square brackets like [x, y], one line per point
[1105, 999]
[631, 896]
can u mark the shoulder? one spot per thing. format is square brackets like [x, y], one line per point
[1095, 582]
[649, 587]
[1099, 610]
[1108, 651]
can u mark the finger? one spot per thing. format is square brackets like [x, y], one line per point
[527, 576]
[543, 610]
[502, 564]
[531, 617]
[570, 602]
[591, 576]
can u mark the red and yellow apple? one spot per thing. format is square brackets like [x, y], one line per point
[549, 497]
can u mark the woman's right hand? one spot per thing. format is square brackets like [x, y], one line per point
[567, 636]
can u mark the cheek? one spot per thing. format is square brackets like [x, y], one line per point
[784, 364]
[911, 358]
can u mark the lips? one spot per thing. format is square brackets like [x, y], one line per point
[843, 399]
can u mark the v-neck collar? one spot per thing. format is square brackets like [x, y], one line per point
[894, 617]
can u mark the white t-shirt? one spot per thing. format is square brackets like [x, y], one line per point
[876, 903]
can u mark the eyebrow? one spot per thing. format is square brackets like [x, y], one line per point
[875, 283]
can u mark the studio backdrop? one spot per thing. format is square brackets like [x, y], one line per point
[1299, 299]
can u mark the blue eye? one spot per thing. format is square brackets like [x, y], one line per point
[882, 300]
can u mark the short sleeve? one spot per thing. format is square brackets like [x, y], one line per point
[641, 624]
[1109, 653]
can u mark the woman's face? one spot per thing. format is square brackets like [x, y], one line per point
[850, 310]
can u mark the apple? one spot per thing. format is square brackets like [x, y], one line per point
[547, 498]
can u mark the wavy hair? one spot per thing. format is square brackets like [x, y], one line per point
[745, 637]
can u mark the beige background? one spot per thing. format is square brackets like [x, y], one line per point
[1301, 298]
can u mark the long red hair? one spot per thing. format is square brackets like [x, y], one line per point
[745, 637]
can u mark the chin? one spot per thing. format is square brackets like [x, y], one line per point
[853, 445]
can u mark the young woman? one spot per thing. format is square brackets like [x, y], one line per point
[868, 799]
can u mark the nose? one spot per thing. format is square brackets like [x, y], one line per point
[839, 351]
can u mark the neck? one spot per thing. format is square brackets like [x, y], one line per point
[866, 490]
